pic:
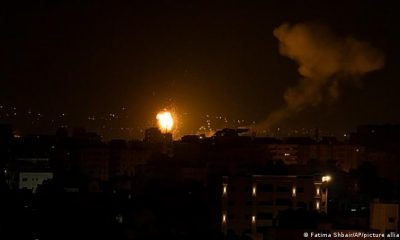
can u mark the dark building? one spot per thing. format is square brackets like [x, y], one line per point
[374, 136]
[253, 204]
[28, 173]
[154, 136]
[6, 139]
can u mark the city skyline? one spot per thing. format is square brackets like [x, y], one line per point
[218, 120]
[196, 59]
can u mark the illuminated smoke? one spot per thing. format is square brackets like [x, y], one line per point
[325, 61]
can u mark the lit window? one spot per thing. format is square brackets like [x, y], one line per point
[317, 205]
[326, 178]
[224, 189]
[318, 191]
[254, 191]
[224, 218]
[253, 219]
[294, 192]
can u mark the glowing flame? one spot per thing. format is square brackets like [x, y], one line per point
[165, 121]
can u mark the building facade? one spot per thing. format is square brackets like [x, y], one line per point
[252, 204]
[28, 173]
[384, 216]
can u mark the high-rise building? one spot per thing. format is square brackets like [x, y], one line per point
[252, 204]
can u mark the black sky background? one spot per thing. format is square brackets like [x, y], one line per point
[201, 58]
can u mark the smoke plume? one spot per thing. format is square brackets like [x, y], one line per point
[325, 61]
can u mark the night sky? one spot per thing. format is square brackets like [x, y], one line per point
[220, 59]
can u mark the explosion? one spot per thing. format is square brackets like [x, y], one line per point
[165, 121]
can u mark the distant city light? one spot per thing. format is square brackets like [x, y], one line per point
[165, 121]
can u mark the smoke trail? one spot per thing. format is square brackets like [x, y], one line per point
[325, 63]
